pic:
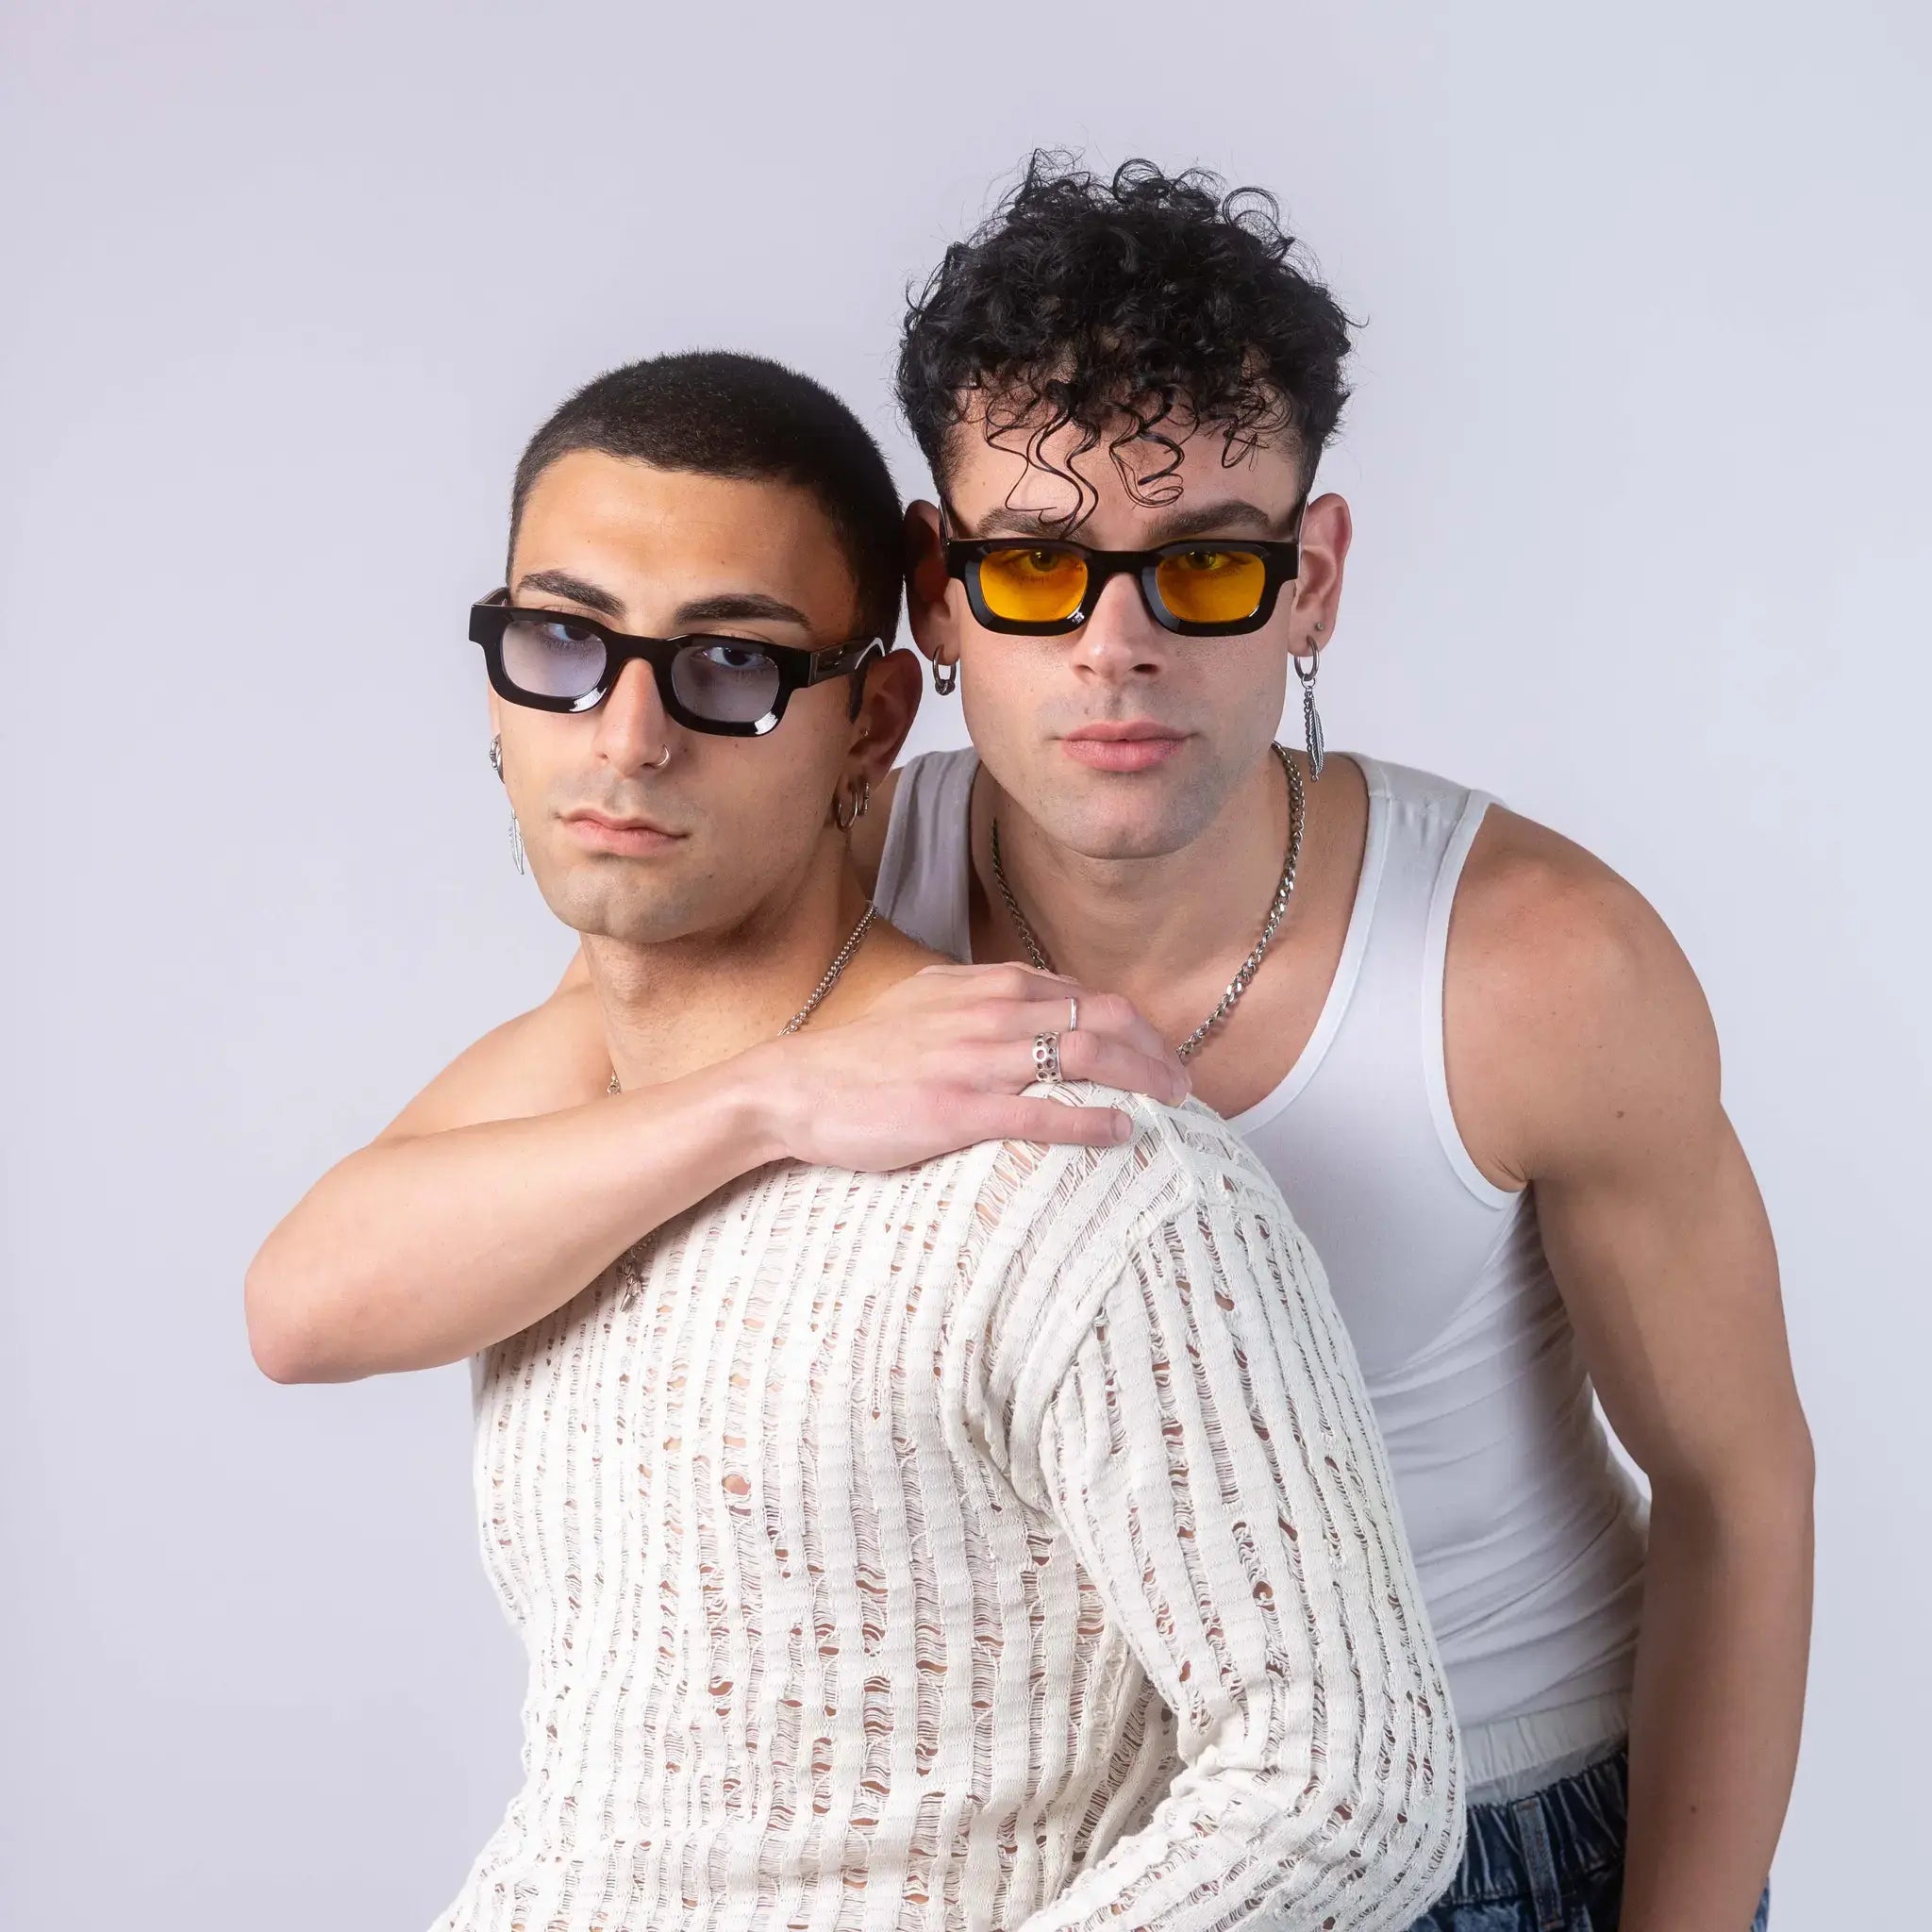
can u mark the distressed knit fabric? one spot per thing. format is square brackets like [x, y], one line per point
[1002, 1544]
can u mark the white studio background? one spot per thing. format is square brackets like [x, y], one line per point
[1637, 459]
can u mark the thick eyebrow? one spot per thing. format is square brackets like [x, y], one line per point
[737, 606]
[559, 583]
[1235, 517]
[725, 606]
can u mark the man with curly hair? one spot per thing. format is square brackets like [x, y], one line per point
[1472, 1056]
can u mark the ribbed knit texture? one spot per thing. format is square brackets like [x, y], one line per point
[999, 1544]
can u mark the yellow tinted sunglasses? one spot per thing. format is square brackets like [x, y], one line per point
[1200, 587]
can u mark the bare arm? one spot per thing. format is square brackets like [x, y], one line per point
[512, 1180]
[508, 1183]
[1590, 1070]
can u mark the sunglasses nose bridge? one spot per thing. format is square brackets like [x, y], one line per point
[633, 726]
[1121, 632]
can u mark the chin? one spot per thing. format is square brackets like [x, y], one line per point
[1146, 823]
[594, 899]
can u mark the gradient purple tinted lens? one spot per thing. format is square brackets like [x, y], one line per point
[733, 683]
[552, 658]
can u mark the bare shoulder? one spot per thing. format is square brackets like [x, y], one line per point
[548, 1059]
[1567, 1000]
[1549, 934]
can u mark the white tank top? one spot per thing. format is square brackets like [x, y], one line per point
[1528, 1533]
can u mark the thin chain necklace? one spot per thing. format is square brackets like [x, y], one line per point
[1297, 814]
[824, 986]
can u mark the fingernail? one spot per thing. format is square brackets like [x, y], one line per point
[1122, 1126]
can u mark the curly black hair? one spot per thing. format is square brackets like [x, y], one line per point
[1134, 307]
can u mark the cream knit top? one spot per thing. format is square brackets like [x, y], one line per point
[1001, 1543]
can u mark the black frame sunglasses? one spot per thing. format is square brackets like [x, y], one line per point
[1281, 562]
[797, 666]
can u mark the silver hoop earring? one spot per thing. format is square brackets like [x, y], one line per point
[859, 799]
[496, 756]
[1311, 719]
[945, 677]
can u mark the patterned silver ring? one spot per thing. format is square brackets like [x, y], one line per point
[1047, 1057]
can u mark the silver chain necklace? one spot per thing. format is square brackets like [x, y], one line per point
[1297, 814]
[824, 986]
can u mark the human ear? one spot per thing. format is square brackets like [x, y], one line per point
[928, 604]
[1326, 531]
[886, 711]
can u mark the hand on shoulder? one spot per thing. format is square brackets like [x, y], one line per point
[939, 1059]
[944, 1059]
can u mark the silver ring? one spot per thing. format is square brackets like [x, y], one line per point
[1073, 1014]
[659, 764]
[1046, 1057]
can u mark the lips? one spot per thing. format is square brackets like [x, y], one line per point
[1123, 747]
[632, 837]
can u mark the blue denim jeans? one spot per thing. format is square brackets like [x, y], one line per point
[1550, 1862]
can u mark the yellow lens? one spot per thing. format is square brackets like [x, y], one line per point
[1211, 586]
[1032, 586]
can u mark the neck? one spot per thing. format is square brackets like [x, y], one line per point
[1158, 929]
[682, 1004]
